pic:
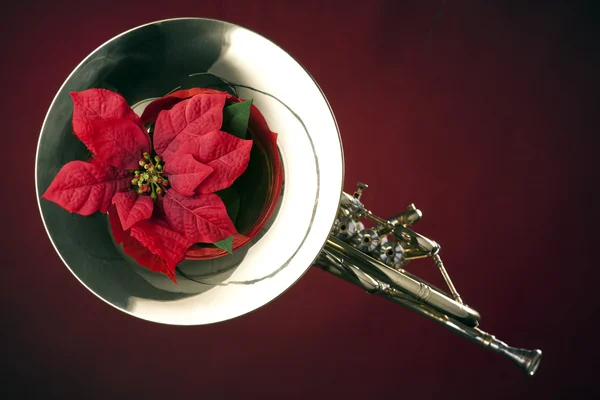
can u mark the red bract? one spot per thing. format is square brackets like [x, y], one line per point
[161, 240]
[151, 235]
[166, 102]
[146, 258]
[226, 154]
[86, 187]
[192, 127]
[118, 142]
[132, 208]
[185, 174]
[199, 115]
[99, 105]
[200, 218]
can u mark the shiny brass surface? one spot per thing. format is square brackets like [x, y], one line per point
[348, 258]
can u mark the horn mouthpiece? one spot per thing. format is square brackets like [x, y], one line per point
[527, 360]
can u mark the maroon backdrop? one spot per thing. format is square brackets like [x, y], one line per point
[482, 113]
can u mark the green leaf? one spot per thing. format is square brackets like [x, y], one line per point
[231, 198]
[235, 118]
[226, 244]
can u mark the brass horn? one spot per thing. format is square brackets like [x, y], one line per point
[311, 222]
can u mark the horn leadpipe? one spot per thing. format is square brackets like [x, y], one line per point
[527, 360]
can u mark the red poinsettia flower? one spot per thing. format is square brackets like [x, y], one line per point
[191, 159]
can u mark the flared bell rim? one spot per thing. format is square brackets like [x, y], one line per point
[334, 186]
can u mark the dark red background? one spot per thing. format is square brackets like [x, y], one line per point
[482, 113]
